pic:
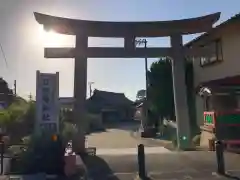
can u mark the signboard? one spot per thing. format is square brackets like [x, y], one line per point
[47, 94]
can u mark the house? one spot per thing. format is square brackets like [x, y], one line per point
[218, 74]
[113, 106]
[66, 102]
[6, 94]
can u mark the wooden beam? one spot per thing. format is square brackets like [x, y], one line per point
[102, 52]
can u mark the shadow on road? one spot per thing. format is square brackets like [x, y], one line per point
[231, 177]
[98, 169]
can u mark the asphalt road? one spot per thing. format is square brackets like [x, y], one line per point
[117, 158]
[119, 136]
[182, 165]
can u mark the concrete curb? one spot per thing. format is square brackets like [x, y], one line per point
[139, 178]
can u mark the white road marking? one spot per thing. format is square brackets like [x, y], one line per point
[132, 151]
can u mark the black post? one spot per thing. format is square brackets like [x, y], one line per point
[2, 151]
[141, 161]
[220, 158]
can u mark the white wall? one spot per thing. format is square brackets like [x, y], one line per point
[231, 60]
[229, 67]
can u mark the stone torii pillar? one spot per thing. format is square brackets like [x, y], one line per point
[179, 89]
[80, 91]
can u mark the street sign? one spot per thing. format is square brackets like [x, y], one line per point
[47, 104]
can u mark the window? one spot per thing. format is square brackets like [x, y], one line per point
[216, 57]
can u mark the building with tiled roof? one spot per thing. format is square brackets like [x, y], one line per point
[115, 106]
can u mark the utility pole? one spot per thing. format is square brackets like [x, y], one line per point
[15, 87]
[30, 97]
[140, 42]
[90, 88]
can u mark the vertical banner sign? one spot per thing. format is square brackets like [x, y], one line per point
[47, 94]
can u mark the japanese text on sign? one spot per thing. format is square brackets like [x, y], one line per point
[46, 106]
[49, 127]
[47, 95]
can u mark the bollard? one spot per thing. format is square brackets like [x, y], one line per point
[141, 161]
[2, 151]
[220, 158]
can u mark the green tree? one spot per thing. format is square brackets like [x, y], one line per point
[66, 115]
[161, 89]
[4, 119]
[6, 94]
[141, 94]
[18, 119]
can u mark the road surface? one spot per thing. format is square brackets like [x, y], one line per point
[181, 165]
[120, 139]
[117, 158]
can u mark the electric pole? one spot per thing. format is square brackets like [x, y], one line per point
[140, 42]
[30, 97]
[15, 87]
[90, 88]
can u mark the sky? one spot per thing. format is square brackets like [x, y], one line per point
[23, 39]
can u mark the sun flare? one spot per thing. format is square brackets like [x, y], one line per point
[50, 38]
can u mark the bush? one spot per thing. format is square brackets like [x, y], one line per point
[68, 131]
[15, 149]
[43, 155]
[26, 140]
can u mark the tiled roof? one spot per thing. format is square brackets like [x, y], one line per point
[213, 30]
[116, 98]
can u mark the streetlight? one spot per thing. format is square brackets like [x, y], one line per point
[140, 42]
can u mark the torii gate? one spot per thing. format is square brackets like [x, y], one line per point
[83, 29]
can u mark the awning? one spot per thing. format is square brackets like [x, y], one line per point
[227, 81]
[226, 85]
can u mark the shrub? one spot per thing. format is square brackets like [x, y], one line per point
[26, 140]
[68, 131]
[16, 149]
[43, 155]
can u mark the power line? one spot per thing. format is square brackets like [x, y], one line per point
[4, 55]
